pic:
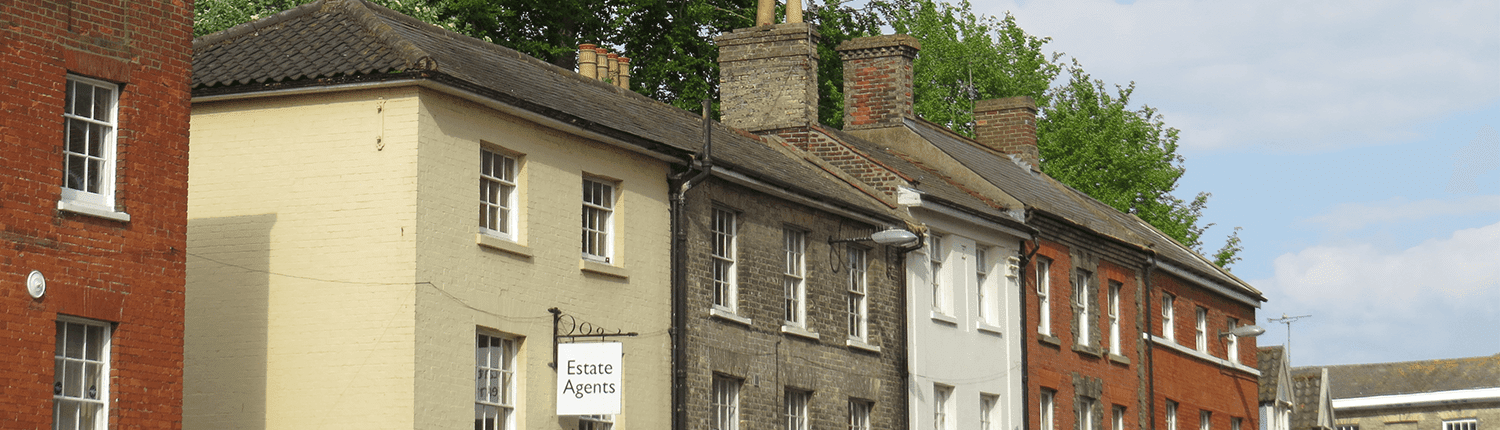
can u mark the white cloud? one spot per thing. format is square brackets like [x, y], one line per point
[1354, 216]
[1287, 75]
[1433, 297]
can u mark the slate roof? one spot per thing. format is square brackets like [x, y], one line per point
[1040, 192]
[1268, 359]
[1382, 379]
[330, 42]
[929, 181]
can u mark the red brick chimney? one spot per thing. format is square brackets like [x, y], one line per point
[1008, 126]
[878, 80]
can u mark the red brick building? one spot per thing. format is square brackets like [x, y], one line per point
[92, 226]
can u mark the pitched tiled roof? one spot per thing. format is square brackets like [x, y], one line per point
[1268, 359]
[1040, 192]
[329, 42]
[1381, 379]
[1307, 401]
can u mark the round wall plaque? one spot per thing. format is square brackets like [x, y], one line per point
[36, 284]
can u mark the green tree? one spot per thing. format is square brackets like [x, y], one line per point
[1091, 139]
[967, 57]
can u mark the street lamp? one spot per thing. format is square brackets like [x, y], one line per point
[889, 236]
[1250, 330]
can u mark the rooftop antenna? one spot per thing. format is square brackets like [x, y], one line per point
[1288, 321]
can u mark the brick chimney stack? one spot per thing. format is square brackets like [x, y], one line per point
[768, 77]
[1008, 126]
[878, 80]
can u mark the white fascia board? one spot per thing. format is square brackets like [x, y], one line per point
[1211, 285]
[1201, 356]
[1419, 399]
[741, 179]
[453, 91]
[972, 219]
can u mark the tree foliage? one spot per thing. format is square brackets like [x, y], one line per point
[967, 57]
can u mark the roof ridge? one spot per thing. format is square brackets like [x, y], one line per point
[361, 13]
[255, 26]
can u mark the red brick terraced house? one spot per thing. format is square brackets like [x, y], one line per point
[93, 170]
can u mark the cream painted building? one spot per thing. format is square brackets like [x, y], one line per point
[375, 240]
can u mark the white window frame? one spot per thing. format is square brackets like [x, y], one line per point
[599, 219]
[859, 414]
[74, 400]
[983, 285]
[1043, 293]
[987, 408]
[1168, 313]
[99, 160]
[942, 407]
[1232, 342]
[723, 258]
[1081, 299]
[858, 293]
[498, 193]
[494, 380]
[796, 409]
[1086, 410]
[794, 277]
[1171, 415]
[726, 403]
[596, 422]
[936, 256]
[1117, 417]
[1205, 420]
[1114, 317]
[1461, 424]
[1200, 329]
[1237, 423]
[1048, 409]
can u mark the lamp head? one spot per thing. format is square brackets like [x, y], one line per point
[893, 236]
[1244, 331]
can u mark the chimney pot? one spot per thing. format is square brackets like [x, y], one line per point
[602, 65]
[588, 61]
[623, 79]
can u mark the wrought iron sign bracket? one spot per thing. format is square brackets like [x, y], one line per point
[576, 329]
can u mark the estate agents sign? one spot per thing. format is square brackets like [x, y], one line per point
[588, 378]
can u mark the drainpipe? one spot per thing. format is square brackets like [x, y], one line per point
[1026, 257]
[679, 189]
[1150, 345]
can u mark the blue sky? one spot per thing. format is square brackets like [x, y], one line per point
[1354, 141]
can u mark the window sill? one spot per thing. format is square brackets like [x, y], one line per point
[1201, 356]
[502, 244]
[1119, 359]
[861, 345]
[984, 327]
[944, 318]
[799, 332]
[728, 315]
[603, 269]
[1088, 349]
[1049, 339]
[92, 210]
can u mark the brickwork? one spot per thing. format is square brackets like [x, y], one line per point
[768, 76]
[1008, 126]
[761, 354]
[1187, 379]
[1058, 362]
[878, 80]
[847, 159]
[129, 273]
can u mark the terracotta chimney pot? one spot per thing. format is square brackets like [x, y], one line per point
[588, 61]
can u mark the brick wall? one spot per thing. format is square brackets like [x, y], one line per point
[1008, 126]
[128, 273]
[769, 361]
[1058, 362]
[768, 76]
[878, 80]
[1194, 383]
